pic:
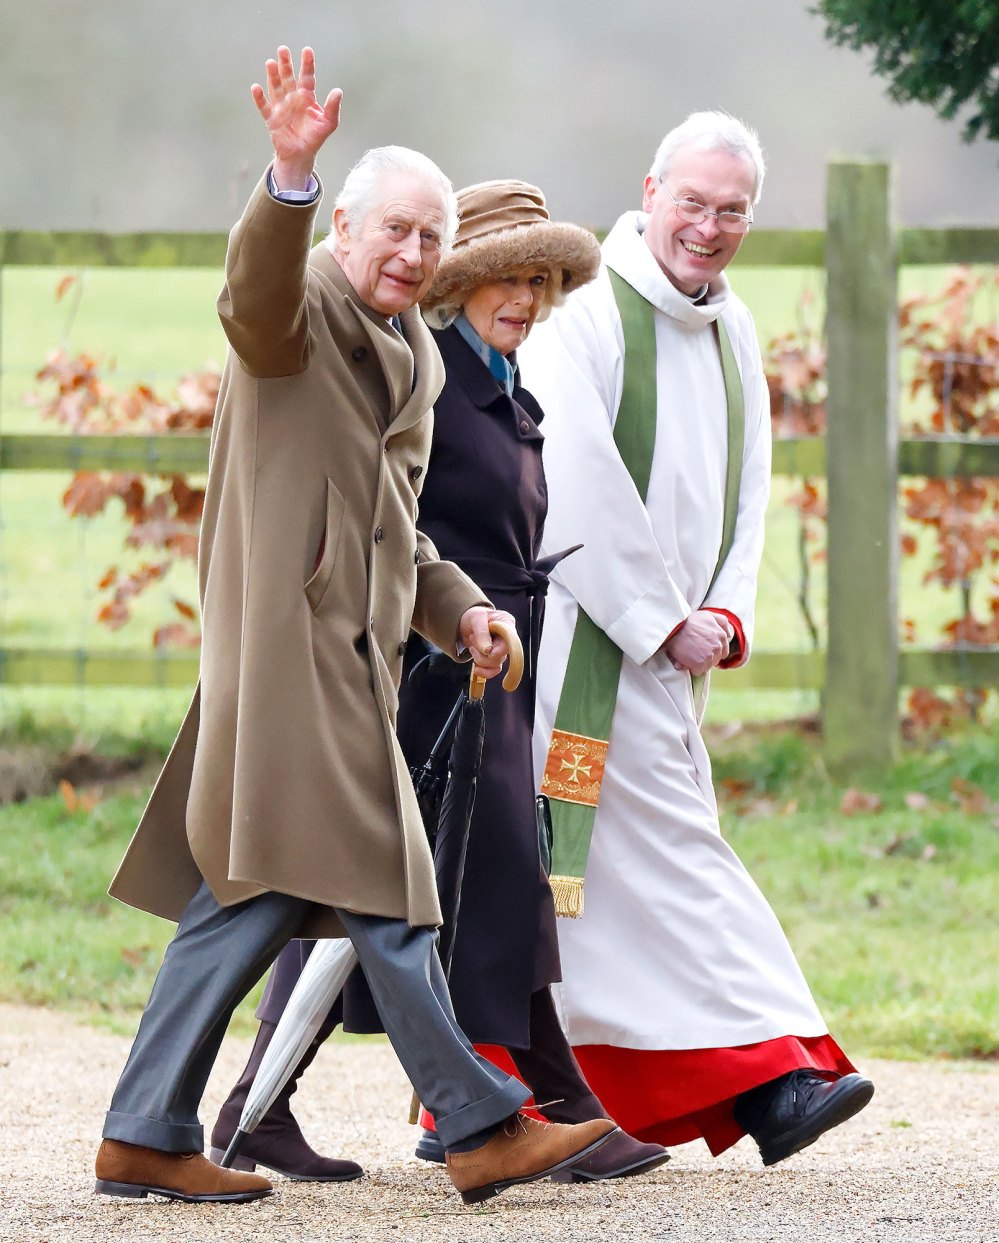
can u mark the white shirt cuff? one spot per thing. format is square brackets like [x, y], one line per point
[308, 195]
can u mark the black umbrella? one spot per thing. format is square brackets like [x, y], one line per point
[448, 814]
[451, 839]
[428, 777]
[448, 826]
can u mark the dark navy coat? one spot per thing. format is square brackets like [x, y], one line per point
[483, 505]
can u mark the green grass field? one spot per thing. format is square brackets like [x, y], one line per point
[893, 913]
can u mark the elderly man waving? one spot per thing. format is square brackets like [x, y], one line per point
[285, 808]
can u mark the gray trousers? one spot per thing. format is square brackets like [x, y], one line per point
[215, 958]
[548, 1065]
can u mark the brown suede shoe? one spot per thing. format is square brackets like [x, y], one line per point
[523, 1151]
[136, 1172]
[287, 1152]
[621, 1157]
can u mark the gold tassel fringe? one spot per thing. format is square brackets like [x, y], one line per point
[568, 894]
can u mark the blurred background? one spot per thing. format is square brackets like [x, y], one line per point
[125, 116]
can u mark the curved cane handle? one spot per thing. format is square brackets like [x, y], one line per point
[515, 669]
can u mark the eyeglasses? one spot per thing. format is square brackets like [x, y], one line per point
[697, 213]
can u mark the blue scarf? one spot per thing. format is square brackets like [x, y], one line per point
[499, 366]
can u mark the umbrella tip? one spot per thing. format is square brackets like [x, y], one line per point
[232, 1152]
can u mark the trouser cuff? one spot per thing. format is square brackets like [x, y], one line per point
[151, 1133]
[480, 1115]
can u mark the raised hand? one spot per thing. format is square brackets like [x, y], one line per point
[297, 123]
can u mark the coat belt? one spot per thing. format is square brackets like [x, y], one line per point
[500, 576]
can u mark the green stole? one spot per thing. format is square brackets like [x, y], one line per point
[577, 752]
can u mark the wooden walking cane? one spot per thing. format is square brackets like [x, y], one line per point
[515, 669]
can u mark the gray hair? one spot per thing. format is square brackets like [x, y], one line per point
[359, 194]
[712, 131]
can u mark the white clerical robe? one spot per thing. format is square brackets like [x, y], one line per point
[677, 948]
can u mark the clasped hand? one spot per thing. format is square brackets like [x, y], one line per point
[488, 651]
[701, 642]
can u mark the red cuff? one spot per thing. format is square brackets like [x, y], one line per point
[737, 648]
[674, 632]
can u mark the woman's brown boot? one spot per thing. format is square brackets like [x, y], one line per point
[277, 1141]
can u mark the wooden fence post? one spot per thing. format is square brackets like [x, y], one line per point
[860, 698]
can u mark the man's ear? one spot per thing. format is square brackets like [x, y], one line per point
[342, 230]
[649, 194]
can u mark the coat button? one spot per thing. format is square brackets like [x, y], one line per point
[402, 648]
[379, 535]
[525, 427]
[416, 472]
[416, 557]
[371, 623]
[359, 354]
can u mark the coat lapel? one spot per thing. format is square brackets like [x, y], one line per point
[394, 355]
[429, 371]
[462, 363]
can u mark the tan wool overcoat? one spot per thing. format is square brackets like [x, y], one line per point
[286, 774]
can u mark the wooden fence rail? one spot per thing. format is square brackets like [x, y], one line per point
[952, 457]
[763, 248]
[862, 458]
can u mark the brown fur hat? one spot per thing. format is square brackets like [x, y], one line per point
[503, 226]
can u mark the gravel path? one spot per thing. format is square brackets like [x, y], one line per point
[920, 1164]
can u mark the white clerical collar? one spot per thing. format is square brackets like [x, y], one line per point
[625, 251]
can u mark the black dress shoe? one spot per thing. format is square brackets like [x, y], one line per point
[789, 1113]
[430, 1147]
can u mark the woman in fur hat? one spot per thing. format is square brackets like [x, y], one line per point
[483, 504]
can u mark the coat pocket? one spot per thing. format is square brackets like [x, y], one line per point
[318, 584]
